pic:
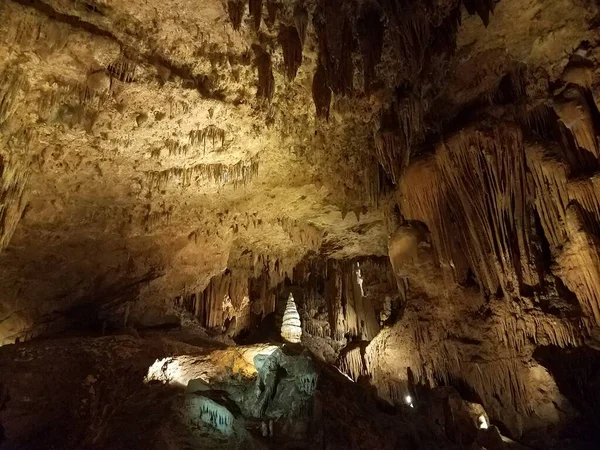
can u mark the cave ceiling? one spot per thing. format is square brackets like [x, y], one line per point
[148, 146]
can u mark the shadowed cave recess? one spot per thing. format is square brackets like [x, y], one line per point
[299, 224]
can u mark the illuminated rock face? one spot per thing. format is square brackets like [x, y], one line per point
[291, 328]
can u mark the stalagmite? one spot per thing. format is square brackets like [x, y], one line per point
[291, 327]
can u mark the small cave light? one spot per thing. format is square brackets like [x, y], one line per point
[408, 400]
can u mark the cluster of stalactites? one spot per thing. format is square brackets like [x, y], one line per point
[211, 413]
[517, 332]
[226, 297]
[435, 359]
[350, 313]
[567, 197]
[14, 175]
[399, 129]
[476, 189]
[211, 133]
[243, 293]
[342, 31]
[12, 84]
[123, 70]
[238, 174]
[352, 363]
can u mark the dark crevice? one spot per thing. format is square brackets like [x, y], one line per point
[577, 375]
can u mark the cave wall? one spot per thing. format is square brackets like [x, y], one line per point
[160, 160]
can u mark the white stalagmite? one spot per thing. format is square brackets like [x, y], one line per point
[291, 328]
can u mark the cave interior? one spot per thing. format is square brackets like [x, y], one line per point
[299, 224]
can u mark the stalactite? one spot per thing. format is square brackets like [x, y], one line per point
[350, 313]
[577, 115]
[542, 120]
[336, 44]
[301, 21]
[175, 148]
[155, 218]
[273, 7]
[512, 87]
[123, 70]
[443, 39]
[255, 9]
[475, 167]
[397, 131]
[235, 9]
[586, 192]
[370, 33]
[550, 194]
[439, 359]
[516, 332]
[307, 235]
[352, 363]
[569, 212]
[333, 297]
[14, 176]
[410, 35]
[321, 93]
[481, 7]
[266, 81]
[211, 133]
[579, 262]
[237, 174]
[212, 413]
[490, 210]
[292, 50]
[12, 84]
[423, 197]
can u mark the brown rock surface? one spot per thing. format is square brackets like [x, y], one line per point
[421, 176]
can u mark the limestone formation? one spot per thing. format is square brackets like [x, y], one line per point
[418, 179]
[291, 328]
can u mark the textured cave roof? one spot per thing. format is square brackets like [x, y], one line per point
[117, 114]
